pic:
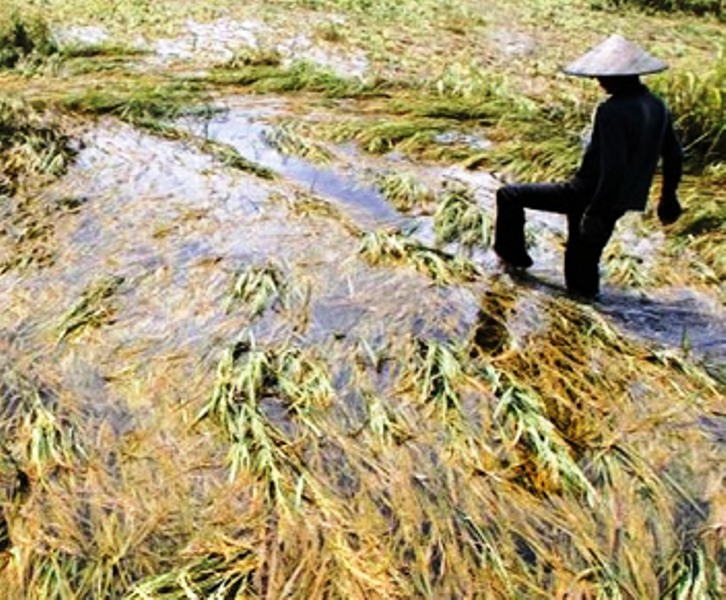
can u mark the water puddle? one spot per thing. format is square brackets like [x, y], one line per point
[219, 41]
[215, 41]
[178, 226]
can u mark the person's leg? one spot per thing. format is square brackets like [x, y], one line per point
[582, 256]
[509, 242]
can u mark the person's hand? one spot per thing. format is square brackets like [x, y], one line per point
[592, 228]
[669, 209]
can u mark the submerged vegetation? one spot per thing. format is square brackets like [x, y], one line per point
[294, 401]
[460, 218]
[382, 247]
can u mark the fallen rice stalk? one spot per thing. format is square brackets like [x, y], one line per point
[460, 218]
[391, 248]
[93, 309]
[258, 287]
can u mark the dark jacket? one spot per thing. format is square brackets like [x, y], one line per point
[632, 130]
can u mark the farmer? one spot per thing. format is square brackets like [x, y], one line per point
[632, 129]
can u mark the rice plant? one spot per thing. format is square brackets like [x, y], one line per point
[460, 218]
[137, 102]
[623, 268]
[698, 103]
[408, 135]
[404, 191]
[254, 57]
[258, 288]
[51, 442]
[306, 205]
[435, 376]
[230, 157]
[24, 36]
[392, 248]
[304, 383]
[246, 376]
[39, 438]
[215, 576]
[525, 427]
[384, 422]
[270, 77]
[698, 7]
[694, 575]
[32, 146]
[95, 308]
[286, 138]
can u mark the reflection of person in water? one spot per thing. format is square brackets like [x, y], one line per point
[632, 129]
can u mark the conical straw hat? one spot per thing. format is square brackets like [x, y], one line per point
[613, 57]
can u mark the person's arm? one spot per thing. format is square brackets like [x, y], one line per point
[669, 209]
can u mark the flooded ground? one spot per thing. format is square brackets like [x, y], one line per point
[679, 319]
[175, 225]
[233, 364]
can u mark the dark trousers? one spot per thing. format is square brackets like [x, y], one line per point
[582, 256]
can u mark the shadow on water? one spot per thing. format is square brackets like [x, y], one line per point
[244, 129]
[681, 319]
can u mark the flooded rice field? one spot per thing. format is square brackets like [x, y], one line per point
[136, 299]
[245, 355]
[159, 210]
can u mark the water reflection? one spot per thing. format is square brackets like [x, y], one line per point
[245, 131]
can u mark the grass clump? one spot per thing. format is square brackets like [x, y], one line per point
[34, 150]
[697, 7]
[266, 74]
[24, 37]
[258, 287]
[227, 154]
[32, 145]
[247, 378]
[700, 230]
[624, 268]
[437, 372]
[213, 576]
[287, 139]
[698, 102]
[408, 135]
[137, 103]
[546, 460]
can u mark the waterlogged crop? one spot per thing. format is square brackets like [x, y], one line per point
[287, 395]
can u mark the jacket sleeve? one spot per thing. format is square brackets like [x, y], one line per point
[610, 145]
[672, 154]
